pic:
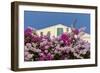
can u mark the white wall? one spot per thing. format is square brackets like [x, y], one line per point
[5, 28]
[53, 29]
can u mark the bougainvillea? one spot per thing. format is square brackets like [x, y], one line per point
[66, 46]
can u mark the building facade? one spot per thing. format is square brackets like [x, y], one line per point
[54, 30]
[58, 29]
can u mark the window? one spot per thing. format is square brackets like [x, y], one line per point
[59, 31]
[67, 29]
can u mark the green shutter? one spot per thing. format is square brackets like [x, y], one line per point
[59, 31]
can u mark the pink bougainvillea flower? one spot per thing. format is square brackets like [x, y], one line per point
[75, 31]
[64, 37]
[29, 30]
[28, 56]
[49, 57]
[65, 46]
[28, 35]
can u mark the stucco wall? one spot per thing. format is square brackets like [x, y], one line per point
[53, 29]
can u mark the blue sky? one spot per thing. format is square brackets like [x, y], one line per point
[38, 20]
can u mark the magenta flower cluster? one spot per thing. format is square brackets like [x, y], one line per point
[46, 47]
